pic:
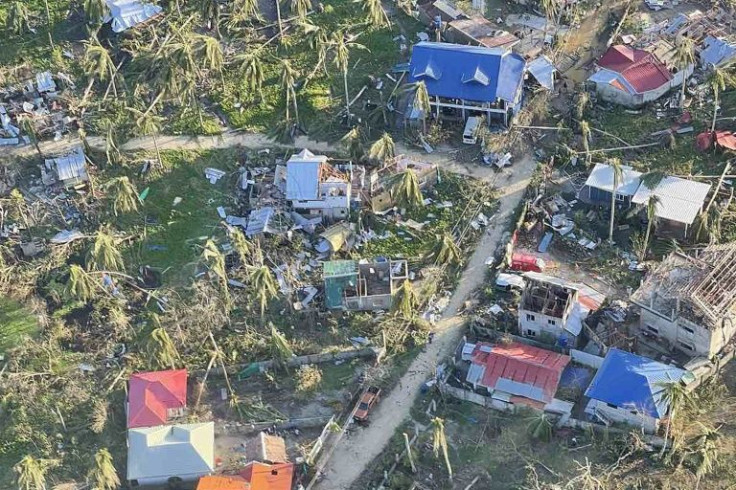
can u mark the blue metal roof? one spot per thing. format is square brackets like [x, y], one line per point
[717, 51]
[471, 73]
[633, 382]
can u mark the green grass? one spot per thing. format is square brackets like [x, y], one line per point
[170, 242]
[15, 323]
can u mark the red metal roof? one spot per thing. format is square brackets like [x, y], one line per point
[641, 69]
[152, 394]
[223, 482]
[268, 476]
[521, 363]
[726, 139]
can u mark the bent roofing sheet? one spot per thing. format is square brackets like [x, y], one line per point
[152, 394]
[601, 177]
[679, 199]
[543, 72]
[642, 70]
[128, 13]
[633, 382]
[520, 363]
[472, 73]
[717, 51]
[302, 180]
[605, 76]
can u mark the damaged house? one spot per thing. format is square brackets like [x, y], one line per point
[464, 81]
[315, 187]
[688, 302]
[632, 77]
[69, 170]
[549, 310]
[380, 189]
[365, 286]
[599, 186]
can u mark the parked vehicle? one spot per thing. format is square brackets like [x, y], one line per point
[527, 262]
[507, 282]
[470, 134]
[367, 401]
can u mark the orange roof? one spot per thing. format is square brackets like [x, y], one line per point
[222, 483]
[268, 476]
[152, 394]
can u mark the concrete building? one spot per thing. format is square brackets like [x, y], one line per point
[629, 389]
[688, 302]
[352, 285]
[157, 454]
[313, 186]
[549, 310]
[632, 77]
[465, 81]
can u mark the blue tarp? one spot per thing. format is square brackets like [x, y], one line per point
[633, 382]
[470, 73]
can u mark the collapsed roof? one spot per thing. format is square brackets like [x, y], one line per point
[700, 288]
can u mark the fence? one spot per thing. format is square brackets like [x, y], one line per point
[586, 359]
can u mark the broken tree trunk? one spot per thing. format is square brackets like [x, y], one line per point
[620, 148]
[408, 453]
[718, 186]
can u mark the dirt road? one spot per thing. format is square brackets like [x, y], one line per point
[353, 454]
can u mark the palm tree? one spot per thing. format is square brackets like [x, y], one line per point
[31, 473]
[251, 66]
[674, 395]
[160, 348]
[705, 451]
[383, 149]
[215, 261]
[278, 18]
[28, 126]
[406, 301]
[94, 11]
[288, 84]
[550, 8]
[104, 476]
[99, 416]
[104, 253]
[80, 285]
[300, 8]
[124, 195]
[685, 56]
[446, 251]
[210, 11]
[405, 190]
[318, 41]
[718, 79]
[540, 427]
[376, 15]
[97, 64]
[582, 103]
[615, 165]
[209, 52]
[241, 245]
[421, 101]
[280, 349]
[353, 142]
[585, 135]
[439, 443]
[17, 19]
[149, 123]
[651, 218]
[265, 286]
[342, 46]
[245, 10]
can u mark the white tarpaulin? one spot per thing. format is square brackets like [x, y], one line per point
[125, 14]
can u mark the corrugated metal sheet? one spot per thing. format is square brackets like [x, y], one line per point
[449, 70]
[302, 181]
[717, 51]
[258, 220]
[680, 200]
[125, 14]
[338, 268]
[641, 70]
[475, 374]
[543, 72]
[44, 82]
[521, 389]
[633, 382]
[71, 167]
[601, 177]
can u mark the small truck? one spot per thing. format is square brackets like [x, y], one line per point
[367, 401]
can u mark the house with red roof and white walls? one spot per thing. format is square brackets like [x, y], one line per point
[632, 77]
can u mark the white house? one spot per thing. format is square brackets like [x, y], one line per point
[315, 187]
[157, 454]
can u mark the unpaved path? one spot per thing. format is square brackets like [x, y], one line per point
[353, 454]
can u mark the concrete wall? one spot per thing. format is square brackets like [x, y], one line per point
[368, 303]
[682, 334]
[540, 326]
[617, 414]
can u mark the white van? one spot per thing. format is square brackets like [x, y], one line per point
[470, 134]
